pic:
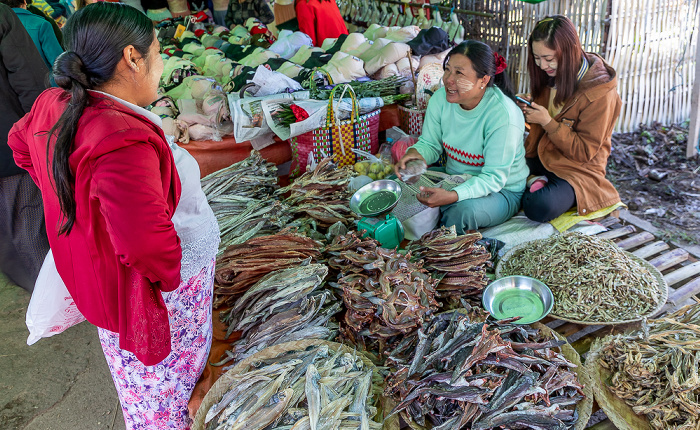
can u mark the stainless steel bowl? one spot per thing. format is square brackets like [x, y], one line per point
[512, 296]
[372, 192]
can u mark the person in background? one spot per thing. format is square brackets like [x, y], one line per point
[39, 30]
[574, 109]
[132, 235]
[22, 78]
[479, 127]
[239, 11]
[320, 19]
[56, 29]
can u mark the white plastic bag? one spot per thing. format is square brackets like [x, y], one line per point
[51, 309]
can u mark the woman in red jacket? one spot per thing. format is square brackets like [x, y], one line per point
[320, 19]
[132, 235]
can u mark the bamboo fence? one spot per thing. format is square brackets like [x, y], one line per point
[650, 43]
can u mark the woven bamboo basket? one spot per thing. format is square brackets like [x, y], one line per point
[660, 282]
[584, 408]
[232, 375]
[619, 412]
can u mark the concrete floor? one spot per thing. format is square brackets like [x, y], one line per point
[59, 383]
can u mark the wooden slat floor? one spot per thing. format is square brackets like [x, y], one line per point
[680, 268]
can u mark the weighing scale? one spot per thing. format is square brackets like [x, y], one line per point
[373, 203]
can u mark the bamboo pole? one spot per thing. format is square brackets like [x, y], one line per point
[694, 133]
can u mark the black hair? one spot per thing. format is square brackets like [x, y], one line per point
[13, 3]
[484, 63]
[95, 37]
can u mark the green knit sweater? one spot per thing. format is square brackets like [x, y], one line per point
[485, 142]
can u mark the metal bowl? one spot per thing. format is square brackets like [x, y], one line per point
[376, 198]
[513, 296]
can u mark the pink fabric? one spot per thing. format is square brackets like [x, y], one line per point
[156, 397]
[123, 250]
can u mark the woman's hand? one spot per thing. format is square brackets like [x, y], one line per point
[411, 154]
[436, 197]
[536, 114]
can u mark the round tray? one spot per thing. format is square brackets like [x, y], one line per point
[584, 408]
[660, 282]
[619, 412]
[222, 385]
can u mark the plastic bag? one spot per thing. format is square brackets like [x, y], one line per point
[374, 167]
[51, 309]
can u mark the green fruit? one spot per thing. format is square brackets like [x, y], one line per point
[375, 168]
[380, 175]
[388, 169]
[373, 176]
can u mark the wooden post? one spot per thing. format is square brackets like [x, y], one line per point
[694, 132]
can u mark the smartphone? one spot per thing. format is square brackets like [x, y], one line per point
[522, 100]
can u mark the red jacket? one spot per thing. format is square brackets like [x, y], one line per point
[320, 19]
[123, 249]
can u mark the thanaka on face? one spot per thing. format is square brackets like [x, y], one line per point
[462, 85]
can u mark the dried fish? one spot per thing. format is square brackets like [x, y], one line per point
[282, 400]
[284, 305]
[457, 260]
[241, 266]
[386, 295]
[321, 195]
[591, 279]
[655, 369]
[465, 374]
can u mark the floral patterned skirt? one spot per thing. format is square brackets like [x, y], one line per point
[156, 397]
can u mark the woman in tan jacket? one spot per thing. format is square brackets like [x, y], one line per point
[574, 109]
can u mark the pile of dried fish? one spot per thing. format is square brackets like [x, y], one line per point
[461, 372]
[349, 241]
[315, 388]
[283, 306]
[458, 261]
[322, 195]
[655, 369]
[243, 265]
[241, 197]
[386, 295]
[592, 279]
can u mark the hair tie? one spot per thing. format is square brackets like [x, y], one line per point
[500, 63]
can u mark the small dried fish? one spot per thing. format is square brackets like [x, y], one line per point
[656, 369]
[592, 279]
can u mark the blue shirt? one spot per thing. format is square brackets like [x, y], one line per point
[42, 35]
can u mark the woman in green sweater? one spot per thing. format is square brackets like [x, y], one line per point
[480, 128]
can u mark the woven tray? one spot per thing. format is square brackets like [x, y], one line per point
[223, 384]
[584, 408]
[660, 282]
[619, 412]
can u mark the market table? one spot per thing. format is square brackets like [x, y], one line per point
[212, 155]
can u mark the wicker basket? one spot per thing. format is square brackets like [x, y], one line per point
[660, 282]
[584, 408]
[619, 412]
[223, 384]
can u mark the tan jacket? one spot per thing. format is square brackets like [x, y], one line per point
[575, 145]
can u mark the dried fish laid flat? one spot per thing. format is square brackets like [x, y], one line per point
[592, 279]
[457, 260]
[241, 197]
[386, 296]
[241, 266]
[321, 386]
[321, 195]
[284, 306]
[462, 372]
[655, 369]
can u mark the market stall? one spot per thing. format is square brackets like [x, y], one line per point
[328, 313]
